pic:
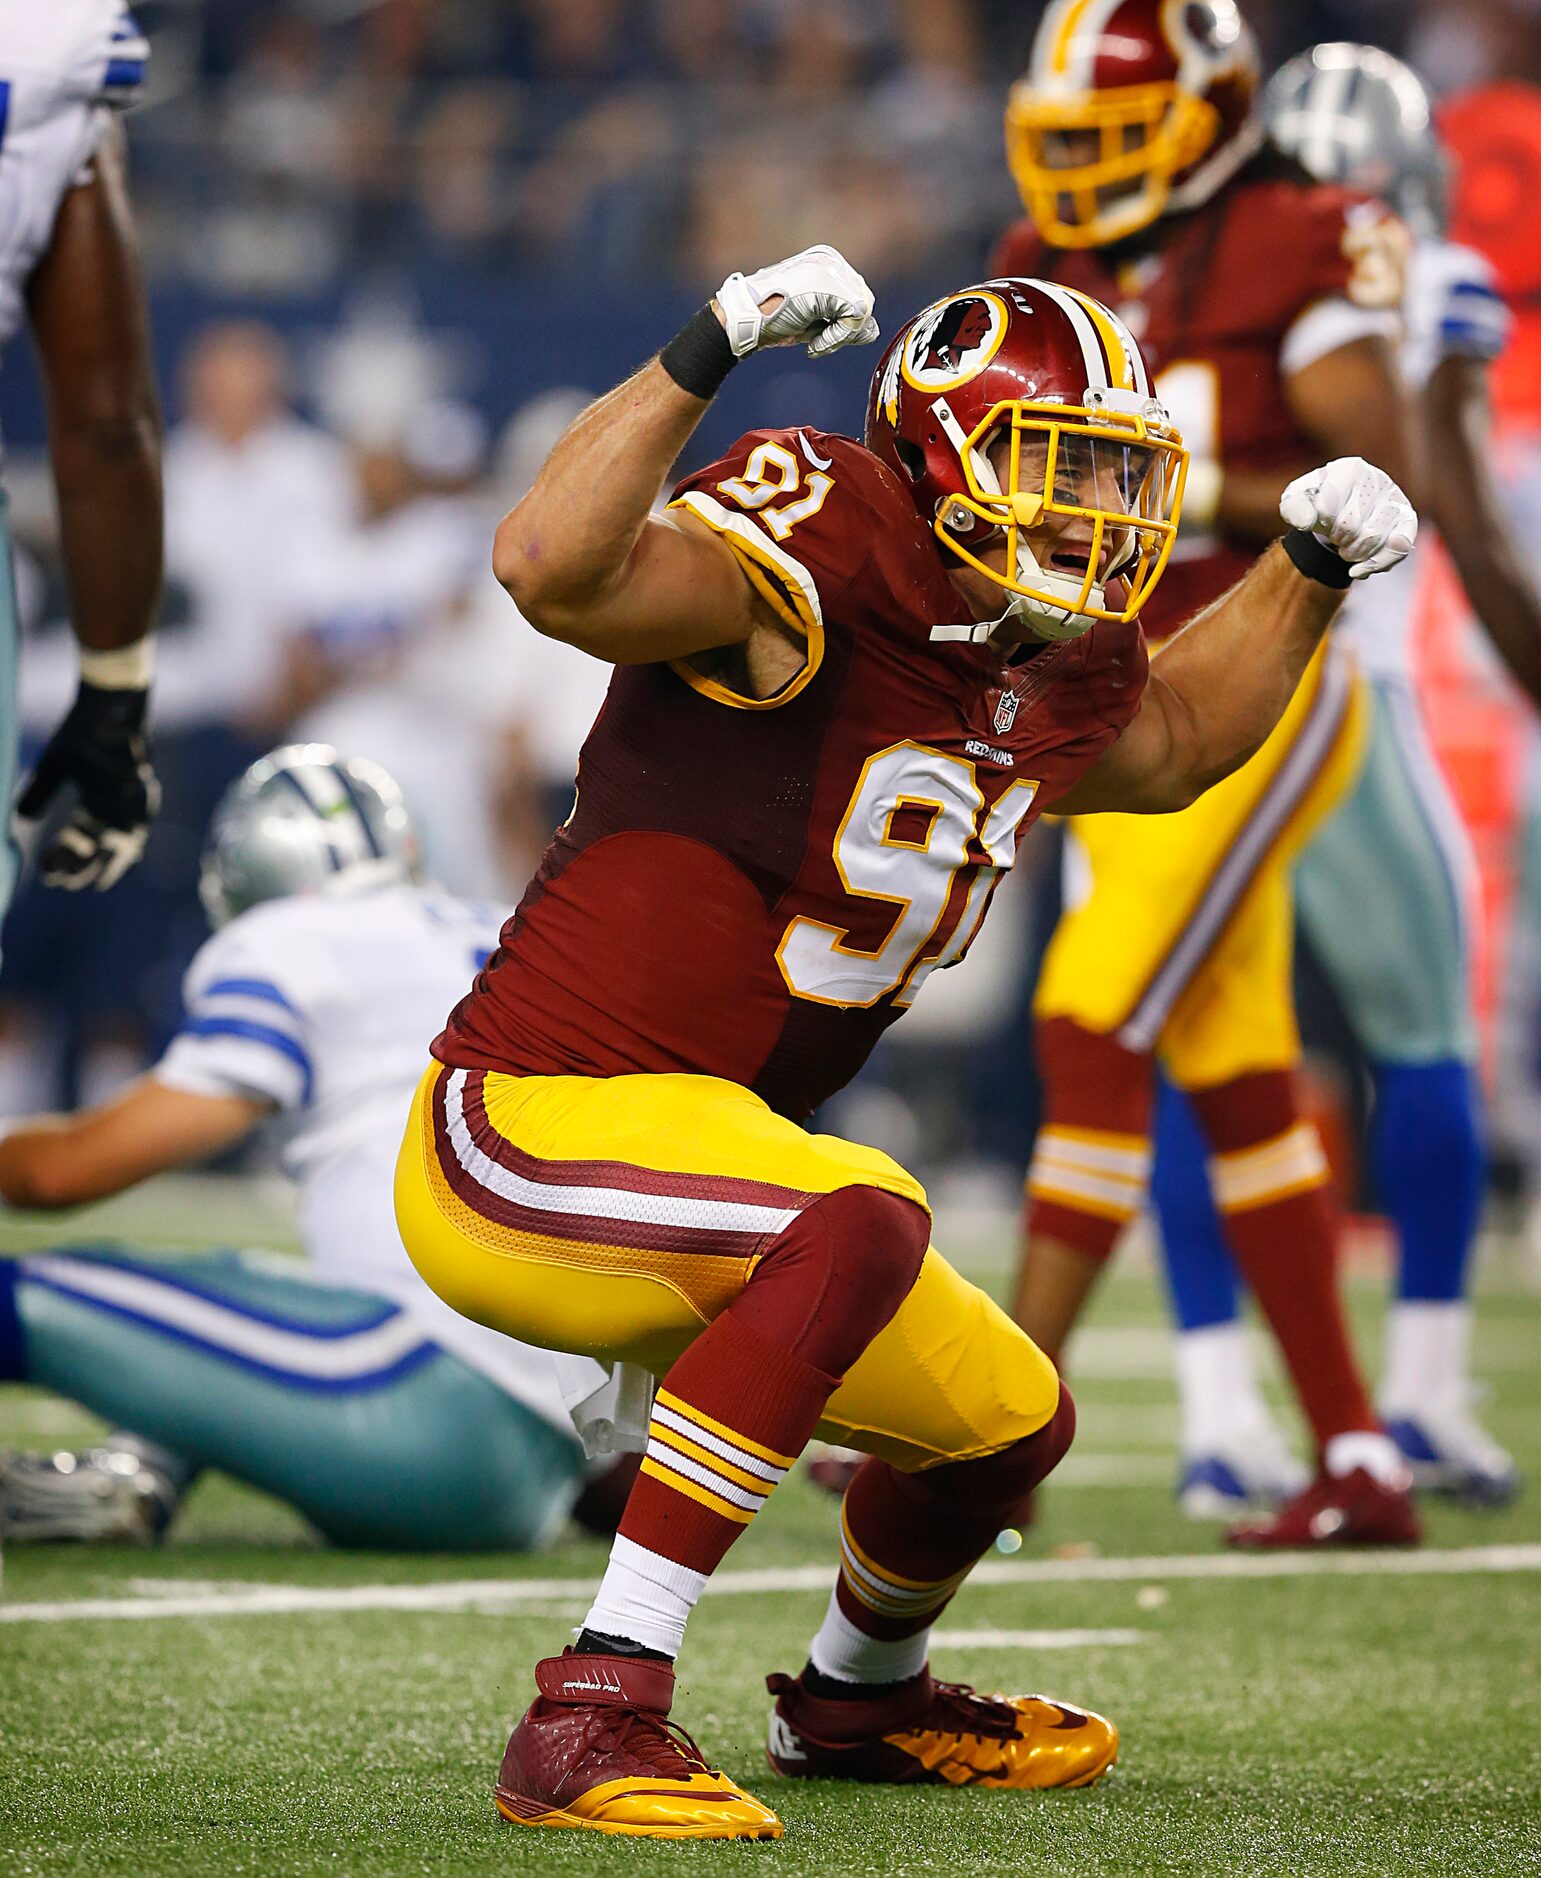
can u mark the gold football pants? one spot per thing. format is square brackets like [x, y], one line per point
[1178, 936]
[615, 1217]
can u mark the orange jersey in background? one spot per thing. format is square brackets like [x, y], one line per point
[1482, 728]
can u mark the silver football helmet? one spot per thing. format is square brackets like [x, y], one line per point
[306, 820]
[1356, 115]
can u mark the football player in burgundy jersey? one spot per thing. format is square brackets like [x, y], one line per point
[847, 680]
[1384, 893]
[1267, 307]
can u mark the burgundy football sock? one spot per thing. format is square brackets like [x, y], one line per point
[909, 1540]
[1269, 1176]
[736, 1409]
[1091, 1160]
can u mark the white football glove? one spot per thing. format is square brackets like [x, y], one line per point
[1357, 511]
[825, 304]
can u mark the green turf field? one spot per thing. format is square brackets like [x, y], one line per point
[1372, 1722]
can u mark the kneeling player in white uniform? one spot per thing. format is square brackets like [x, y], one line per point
[347, 1389]
[1384, 890]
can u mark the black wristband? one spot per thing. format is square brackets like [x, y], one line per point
[699, 356]
[113, 711]
[1315, 560]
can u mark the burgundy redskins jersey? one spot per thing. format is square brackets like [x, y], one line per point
[755, 889]
[1213, 310]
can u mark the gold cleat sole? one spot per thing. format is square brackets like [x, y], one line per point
[1088, 1776]
[521, 1812]
[1099, 1772]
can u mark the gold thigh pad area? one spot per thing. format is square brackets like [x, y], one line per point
[949, 1377]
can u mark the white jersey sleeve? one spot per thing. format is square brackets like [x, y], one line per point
[1454, 310]
[65, 65]
[1329, 324]
[248, 1024]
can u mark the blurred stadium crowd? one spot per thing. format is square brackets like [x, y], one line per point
[389, 243]
[293, 143]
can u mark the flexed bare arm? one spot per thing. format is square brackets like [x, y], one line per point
[583, 555]
[1219, 686]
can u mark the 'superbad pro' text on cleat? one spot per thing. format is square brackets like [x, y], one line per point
[924, 1730]
[597, 1750]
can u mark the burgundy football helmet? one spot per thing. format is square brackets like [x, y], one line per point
[1129, 110]
[1018, 414]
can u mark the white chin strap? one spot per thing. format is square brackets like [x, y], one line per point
[1047, 620]
[1060, 622]
[1041, 617]
[1042, 621]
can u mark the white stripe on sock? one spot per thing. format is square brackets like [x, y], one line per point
[767, 1471]
[671, 1458]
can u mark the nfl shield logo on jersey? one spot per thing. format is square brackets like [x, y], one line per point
[1006, 712]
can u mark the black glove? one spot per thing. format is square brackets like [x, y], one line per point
[101, 750]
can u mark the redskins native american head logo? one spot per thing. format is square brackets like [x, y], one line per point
[953, 340]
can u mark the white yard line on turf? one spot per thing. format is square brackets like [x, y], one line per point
[1114, 1470]
[1035, 1639]
[463, 1594]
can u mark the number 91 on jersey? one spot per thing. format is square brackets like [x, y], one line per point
[917, 825]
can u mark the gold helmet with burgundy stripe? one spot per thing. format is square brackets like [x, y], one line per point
[1019, 416]
[1130, 110]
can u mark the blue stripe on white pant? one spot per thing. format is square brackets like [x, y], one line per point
[335, 1401]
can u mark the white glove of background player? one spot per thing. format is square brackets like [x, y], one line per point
[825, 304]
[1357, 511]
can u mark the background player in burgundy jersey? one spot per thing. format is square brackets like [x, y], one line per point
[1384, 892]
[847, 680]
[1267, 306]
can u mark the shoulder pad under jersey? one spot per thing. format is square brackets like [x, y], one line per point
[814, 518]
[1304, 242]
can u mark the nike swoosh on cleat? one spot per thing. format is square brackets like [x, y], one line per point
[783, 1743]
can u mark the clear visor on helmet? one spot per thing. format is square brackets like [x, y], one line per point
[1075, 500]
[1100, 164]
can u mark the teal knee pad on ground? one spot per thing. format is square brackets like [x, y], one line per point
[335, 1401]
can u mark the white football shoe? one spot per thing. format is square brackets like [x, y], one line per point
[1251, 1468]
[1451, 1453]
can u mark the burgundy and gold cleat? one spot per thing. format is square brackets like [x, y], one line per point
[597, 1750]
[943, 1732]
[1346, 1509]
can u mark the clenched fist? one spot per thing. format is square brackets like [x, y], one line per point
[824, 304]
[1356, 511]
[100, 755]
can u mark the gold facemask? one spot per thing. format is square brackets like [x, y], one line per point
[1144, 136]
[1098, 492]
